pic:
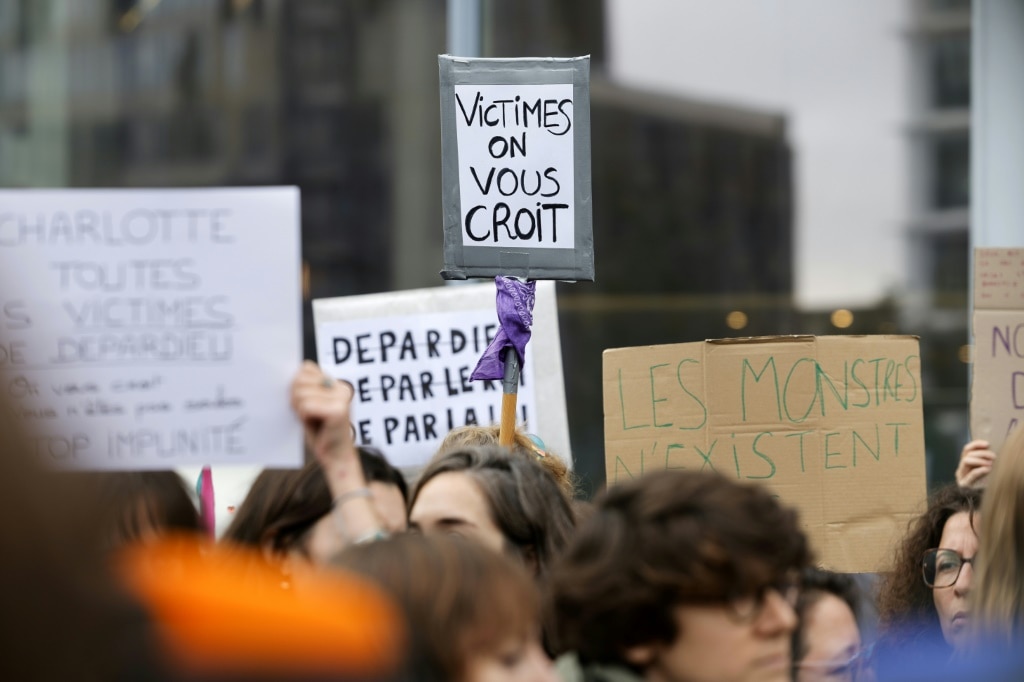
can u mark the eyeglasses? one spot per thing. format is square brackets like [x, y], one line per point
[749, 607]
[941, 567]
[849, 670]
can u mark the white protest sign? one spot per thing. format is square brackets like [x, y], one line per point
[516, 165]
[515, 168]
[152, 329]
[409, 356]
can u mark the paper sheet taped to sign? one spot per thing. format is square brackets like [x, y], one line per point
[833, 425]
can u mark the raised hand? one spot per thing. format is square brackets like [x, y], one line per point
[976, 460]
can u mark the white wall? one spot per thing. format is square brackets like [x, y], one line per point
[838, 69]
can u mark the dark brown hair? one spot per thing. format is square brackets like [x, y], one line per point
[815, 583]
[283, 504]
[669, 538]
[526, 504]
[136, 504]
[61, 610]
[460, 598]
[906, 607]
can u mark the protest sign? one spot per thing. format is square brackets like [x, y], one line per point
[833, 425]
[515, 139]
[152, 329]
[997, 378]
[409, 356]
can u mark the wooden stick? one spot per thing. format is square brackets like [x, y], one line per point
[509, 397]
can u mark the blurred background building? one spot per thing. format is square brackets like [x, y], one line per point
[759, 167]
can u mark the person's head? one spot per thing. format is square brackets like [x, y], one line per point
[138, 506]
[288, 511]
[506, 502]
[65, 612]
[998, 599]
[924, 597]
[827, 642]
[473, 614]
[682, 575]
[523, 444]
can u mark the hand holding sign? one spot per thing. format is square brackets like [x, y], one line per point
[323, 406]
[976, 462]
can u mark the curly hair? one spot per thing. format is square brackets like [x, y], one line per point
[668, 538]
[906, 607]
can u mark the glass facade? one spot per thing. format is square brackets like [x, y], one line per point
[941, 42]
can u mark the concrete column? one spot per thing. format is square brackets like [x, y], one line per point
[997, 123]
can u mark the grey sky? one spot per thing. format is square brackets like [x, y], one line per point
[838, 69]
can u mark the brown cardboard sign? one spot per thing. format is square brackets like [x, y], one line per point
[831, 424]
[997, 378]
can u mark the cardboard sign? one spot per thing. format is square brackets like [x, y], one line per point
[129, 335]
[833, 425]
[997, 378]
[409, 356]
[515, 137]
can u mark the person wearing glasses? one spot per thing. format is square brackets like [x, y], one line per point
[924, 612]
[679, 576]
[827, 641]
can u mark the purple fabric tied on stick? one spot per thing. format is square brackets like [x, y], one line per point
[515, 317]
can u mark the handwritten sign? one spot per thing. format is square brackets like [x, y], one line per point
[409, 356]
[832, 424]
[997, 379]
[516, 169]
[131, 335]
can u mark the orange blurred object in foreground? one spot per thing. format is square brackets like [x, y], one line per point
[222, 610]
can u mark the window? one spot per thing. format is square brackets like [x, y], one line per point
[951, 71]
[948, 259]
[951, 180]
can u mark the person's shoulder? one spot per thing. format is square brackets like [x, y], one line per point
[569, 669]
[926, 660]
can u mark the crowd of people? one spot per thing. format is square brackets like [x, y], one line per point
[488, 569]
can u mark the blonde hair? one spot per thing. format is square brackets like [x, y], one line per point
[998, 593]
[472, 435]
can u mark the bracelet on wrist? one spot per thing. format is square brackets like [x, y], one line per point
[372, 536]
[350, 495]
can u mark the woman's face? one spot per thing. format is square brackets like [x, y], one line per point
[831, 639]
[713, 646]
[516, 660]
[453, 503]
[951, 602]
